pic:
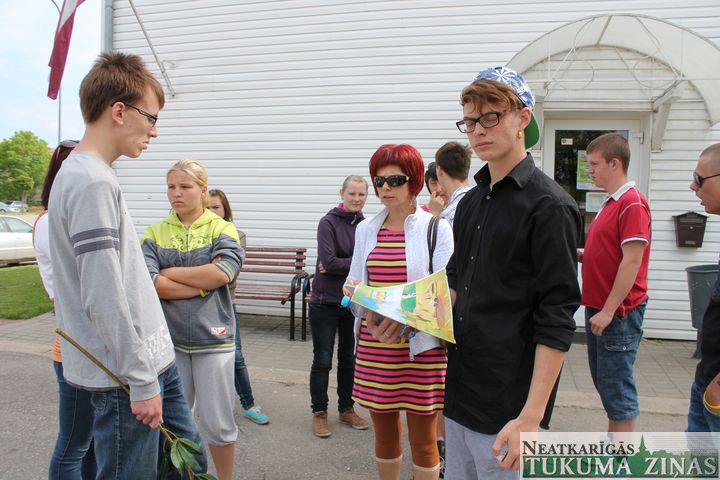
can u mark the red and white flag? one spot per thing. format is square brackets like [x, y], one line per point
[62, 45]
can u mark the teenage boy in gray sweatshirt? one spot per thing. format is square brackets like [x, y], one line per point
[105, 299]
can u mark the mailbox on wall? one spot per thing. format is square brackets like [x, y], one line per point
[690, 229]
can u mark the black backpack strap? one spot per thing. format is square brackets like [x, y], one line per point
[432, 238]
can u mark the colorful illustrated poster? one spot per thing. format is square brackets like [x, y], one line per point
[423, 304]
[583, 181]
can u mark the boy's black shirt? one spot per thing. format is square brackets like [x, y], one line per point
[515, 273]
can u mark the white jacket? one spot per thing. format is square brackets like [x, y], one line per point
[41, 243]
[416, 254]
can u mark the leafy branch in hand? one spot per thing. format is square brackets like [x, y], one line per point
[178, 452]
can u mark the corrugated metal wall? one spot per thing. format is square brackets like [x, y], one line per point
[282, 99]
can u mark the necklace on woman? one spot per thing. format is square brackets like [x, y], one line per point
[393, 226]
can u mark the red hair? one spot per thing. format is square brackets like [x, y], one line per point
[404, 156]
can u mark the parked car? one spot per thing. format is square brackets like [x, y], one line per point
[20, 206]
[16, 244]
[9, 207]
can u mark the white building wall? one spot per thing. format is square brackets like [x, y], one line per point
[282, 99]
[596, 81]
[686, 136]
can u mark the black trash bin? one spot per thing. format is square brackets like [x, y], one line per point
[701, 279]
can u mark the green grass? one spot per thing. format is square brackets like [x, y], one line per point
[21, 293]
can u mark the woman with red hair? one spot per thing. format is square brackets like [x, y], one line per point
[398, 369]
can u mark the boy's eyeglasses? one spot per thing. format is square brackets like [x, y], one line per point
[152, 118]
[392, 180]
[489, 120]
[699, 180]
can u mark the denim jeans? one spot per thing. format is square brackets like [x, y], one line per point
[325, 322]
[73, 457]
[700, 419]
[612, 357]
[242, 378]
[127, 449]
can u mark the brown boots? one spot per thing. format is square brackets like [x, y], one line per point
[349, 417]
[320, 425]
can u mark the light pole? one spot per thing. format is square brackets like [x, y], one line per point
[59, 98]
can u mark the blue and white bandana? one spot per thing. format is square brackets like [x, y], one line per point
[511, 78]
[515, 81]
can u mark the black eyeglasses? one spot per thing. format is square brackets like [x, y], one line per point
[152, 118]
[488, 120]
[392, 180]
[699, 180]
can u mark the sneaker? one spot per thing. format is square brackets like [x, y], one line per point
[349, 417]
[320, 425]
[441, 451]
[256, 415]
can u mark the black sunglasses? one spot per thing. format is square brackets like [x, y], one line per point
[392, 180]
[152, 118]
[699, 180]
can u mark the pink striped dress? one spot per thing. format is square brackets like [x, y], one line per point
[386, 379]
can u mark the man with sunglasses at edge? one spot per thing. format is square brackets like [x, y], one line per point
[514, 279]
[704, 413]
[105, 298]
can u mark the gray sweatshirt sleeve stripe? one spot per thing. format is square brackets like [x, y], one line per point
[95, 233]
[95, 239]
[96, 245]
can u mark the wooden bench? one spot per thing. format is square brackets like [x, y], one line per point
[288, 261]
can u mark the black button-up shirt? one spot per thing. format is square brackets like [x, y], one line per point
[709, 365]
[515, 273]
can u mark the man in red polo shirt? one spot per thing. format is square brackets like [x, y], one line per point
[614, 273]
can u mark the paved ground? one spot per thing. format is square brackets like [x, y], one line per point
[286, 449]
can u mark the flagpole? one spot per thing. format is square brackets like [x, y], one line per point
[59, 92]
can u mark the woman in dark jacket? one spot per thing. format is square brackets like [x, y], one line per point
[336, 240]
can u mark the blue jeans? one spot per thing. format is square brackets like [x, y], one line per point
[325, 322]
[612, 357]
[242, 378]
[128, 449]
[700, 419]
[73, 457]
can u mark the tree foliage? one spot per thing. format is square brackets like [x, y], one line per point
[24, 160]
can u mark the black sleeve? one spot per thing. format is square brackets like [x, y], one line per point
[556, 292]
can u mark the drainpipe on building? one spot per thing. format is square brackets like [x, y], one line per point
[107, 26]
